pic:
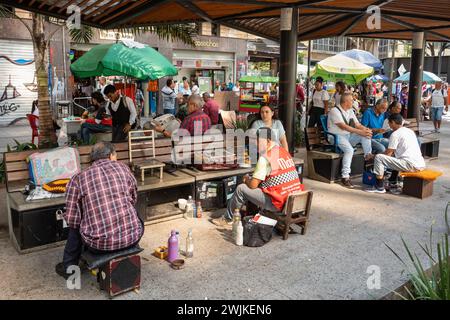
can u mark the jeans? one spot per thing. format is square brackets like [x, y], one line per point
[383, 161]
[436, 113]
[243, 194]
[379, 145]
[169, 111]
[346, 144]
[88, 128]
[314, 117]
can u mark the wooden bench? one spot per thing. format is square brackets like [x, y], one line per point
[324, 164]
[46, 215]
[428, 145]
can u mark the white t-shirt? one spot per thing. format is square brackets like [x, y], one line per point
[406, 146]
[335, 117]
[438, 99]
[319, 97]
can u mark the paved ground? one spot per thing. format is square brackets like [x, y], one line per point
[347, 234]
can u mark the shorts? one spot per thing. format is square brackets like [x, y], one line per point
[436, 113]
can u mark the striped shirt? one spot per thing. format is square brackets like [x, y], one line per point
[100, 202]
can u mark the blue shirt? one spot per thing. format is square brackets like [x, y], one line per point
[372, 121]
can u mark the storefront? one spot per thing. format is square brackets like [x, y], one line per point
[207, 68]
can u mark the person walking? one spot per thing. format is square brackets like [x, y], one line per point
[439, 101]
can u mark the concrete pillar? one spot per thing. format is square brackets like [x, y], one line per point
[415, 80]
[288, 72]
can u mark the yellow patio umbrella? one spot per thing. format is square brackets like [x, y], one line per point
[340, 67]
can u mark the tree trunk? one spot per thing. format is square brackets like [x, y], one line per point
[47, 136]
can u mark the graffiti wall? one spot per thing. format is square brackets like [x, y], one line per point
[17, 80]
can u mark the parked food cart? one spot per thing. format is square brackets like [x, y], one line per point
[256, 91]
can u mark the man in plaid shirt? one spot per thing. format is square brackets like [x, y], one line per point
[100, 208]
[197, 122]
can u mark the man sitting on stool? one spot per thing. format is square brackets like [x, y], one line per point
[274, 179]
[100, 208]
[404, 145]
[123, 112]
[343, 123]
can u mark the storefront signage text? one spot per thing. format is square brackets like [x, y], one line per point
[207, 43]
[111, 35]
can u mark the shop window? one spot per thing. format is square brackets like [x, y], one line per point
[215, 30]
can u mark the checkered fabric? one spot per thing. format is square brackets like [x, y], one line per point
[280, 179]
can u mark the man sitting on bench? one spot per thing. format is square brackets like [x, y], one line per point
[274, 178]
[100, 208]
[403, 144]
[343, 123]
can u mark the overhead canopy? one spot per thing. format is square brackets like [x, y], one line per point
[318, 18]
[340, 67]
[364, 57]
[259, 79]
[118, 59]
[427, 76]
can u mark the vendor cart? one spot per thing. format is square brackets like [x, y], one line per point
[255, 92]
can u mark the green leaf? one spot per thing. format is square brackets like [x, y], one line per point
[82, 35]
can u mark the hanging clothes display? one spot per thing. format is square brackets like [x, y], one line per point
[10, 92]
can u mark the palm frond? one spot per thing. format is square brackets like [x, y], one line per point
[175, 32]
[81, 35]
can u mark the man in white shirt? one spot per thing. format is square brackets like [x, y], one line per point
[123, 112]
[439, 100]
[404, 146]
[343, 123]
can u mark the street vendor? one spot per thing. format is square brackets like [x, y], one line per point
[123, 112]
[274, 179]
[100, 208]
[99, 121]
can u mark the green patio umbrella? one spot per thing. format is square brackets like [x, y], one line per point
[128, 58]
[340, 67]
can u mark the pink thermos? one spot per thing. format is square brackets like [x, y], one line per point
[173, 246]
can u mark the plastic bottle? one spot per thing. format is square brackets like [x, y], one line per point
[199, 208]
[194, 210]
[236, 220]
[189, 245]
[240, 234]
[190, 208]
[173, 246]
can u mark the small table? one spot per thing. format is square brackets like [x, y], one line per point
[150, 164]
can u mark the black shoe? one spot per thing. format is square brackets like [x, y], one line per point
[61, 271]
[347, 183]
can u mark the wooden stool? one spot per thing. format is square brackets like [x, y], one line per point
[145, 145]
[419, 184]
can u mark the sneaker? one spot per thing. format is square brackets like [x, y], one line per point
[222, 222]
[346, 182]
[396, 190]
[61, 271]
[438, 130]
[375, 190]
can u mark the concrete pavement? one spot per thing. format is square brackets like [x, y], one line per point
[347, 234]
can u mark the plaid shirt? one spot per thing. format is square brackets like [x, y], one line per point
[196, 123]
[100, 202]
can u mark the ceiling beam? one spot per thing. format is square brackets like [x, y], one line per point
[189, 5]
[110, 10]
[383, 11]
[64, 7]
[321, 26]
[350, 27]
[298, 4]
[43, 4]
[111, 5]
[145, 7]
[243, 29]
[413, 27]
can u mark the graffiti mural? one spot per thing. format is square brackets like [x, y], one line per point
[17, 81]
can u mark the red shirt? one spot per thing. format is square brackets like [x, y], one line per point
[100, 202]
[211, 108]
[196, 123]
[300, 93]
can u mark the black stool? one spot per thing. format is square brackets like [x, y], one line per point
[118, 272]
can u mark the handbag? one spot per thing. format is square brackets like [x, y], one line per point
[369, 178]
[256, 234]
